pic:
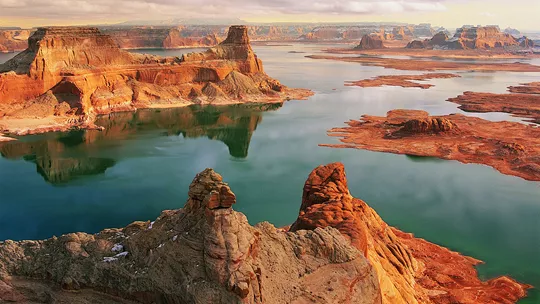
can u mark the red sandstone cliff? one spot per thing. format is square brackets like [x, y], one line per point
[76, 73]
[410, 270]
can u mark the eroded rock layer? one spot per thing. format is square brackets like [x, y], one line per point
[510, 147]
[67, 76]
[338, 251]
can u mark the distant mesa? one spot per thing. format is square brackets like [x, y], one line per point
[487, 37]
[67, 76]
[370, 42]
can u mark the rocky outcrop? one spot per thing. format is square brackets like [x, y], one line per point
[481, 38]
[402, 32]
[525, 42]
[410, 270]
[14, 40]
[416, 44]
[84, 70]
[428, 125]
[455, 137]
[438, 39]
[337, 251]
[370, 42]
[203, 253]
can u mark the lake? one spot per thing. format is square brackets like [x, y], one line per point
[144, 162]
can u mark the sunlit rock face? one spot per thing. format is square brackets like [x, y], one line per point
[82, 73]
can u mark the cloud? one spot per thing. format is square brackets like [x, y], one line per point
[162, 9]
[488, 14]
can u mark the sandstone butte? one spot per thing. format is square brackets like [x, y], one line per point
[404, 81]
[370, 42]
[523, 101]
[510, 147]
[337, 251]
[67, 76]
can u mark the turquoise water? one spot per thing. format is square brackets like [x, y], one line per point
[143, 163]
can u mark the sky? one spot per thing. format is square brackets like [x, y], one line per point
[520, 14]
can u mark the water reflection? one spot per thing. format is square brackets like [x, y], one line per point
[62, 157]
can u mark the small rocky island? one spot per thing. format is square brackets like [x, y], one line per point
[68, 76]
[523, 101]
[510, 147]
[337, 251]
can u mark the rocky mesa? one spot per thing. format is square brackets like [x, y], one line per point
[338, 251]
[67, 76]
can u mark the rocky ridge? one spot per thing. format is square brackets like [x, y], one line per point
[337, 251]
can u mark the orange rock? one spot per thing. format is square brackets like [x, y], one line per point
[370, 42]
[85, 69]
[410, 270]
[510, 147]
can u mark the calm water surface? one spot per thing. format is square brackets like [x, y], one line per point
[143, 163]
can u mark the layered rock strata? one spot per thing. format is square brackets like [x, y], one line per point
[510, 147]
[67, 76]
[337, 251]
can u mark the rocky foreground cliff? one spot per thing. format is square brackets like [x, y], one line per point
[338, 251]
[67, 76]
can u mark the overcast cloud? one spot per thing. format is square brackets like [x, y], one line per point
[162, 9]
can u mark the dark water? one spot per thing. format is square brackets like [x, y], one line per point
[143, 163]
